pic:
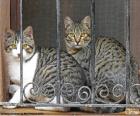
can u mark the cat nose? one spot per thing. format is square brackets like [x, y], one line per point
[78, 42]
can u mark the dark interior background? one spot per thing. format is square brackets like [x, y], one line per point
[110, 19]
[41, 15]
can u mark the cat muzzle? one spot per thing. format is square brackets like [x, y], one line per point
[78, 47]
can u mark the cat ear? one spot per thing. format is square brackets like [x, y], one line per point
[9, 33]
[68, 22]
[28, 31]
[86, 21]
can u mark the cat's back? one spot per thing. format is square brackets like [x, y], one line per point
[109, 58]
[69, 67]
[109, 47]
[50, 55]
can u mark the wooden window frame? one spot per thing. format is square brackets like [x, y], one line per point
[9, 19]
[4, 25]
[15, 14]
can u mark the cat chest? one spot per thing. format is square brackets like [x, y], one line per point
[29, 69]
[14, 72]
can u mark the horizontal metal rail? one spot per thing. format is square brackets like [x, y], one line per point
[72, 105]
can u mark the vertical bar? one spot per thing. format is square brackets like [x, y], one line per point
[127, 37]
[58, 49]
[92, 59]
[21, 56]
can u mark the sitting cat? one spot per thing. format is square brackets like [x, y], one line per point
[12, 53]
[110, 56]
[40, 68]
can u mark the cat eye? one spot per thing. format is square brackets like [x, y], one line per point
[28, 48]
[9, 48]
[84, 35]
[25, 45]
[14, 46]
[71, 35]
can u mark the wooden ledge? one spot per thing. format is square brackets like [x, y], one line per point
[32, 111]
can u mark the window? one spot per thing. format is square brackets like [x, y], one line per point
[102, 27]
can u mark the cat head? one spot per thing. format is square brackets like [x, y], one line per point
[77, 35]
[12, 44]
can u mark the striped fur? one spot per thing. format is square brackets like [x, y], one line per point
[40, 67]
[46, 72]
[110, 68]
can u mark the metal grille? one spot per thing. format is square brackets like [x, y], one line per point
[95, 30]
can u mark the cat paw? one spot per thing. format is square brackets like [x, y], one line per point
[132, 111]
[9, 106]
[57, 109]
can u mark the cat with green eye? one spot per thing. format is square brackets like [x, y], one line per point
[40, 67]
[110, 59]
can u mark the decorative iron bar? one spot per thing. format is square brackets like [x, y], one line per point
[89, 93]
[21, 52]
[58, 48]
[71, 105]
[92, 58]
[127, 39]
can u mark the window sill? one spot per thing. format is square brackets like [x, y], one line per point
[31, 111]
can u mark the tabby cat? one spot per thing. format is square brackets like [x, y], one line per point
[40, 67]
[110, 69]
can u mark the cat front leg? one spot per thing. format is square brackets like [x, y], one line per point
[15, 100]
